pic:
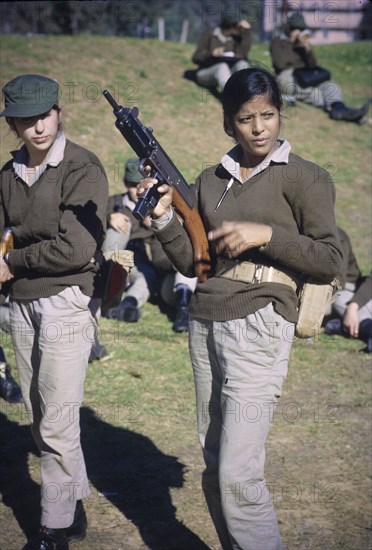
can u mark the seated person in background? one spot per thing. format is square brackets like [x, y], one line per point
[290, 50]
[222, 51]
[151, 264]
[352, 309]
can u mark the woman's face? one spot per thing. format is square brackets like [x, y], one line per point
[256, 128]
[38, 132]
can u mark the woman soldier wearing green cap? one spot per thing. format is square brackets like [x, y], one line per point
[290, 50]
[53, 195]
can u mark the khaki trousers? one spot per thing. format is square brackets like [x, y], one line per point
[324, 95]
[52, 339]
[219, 74]
[239, 368]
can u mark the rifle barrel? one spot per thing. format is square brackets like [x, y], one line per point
[111, 100]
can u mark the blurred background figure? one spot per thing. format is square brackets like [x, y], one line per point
[351, 313]
[222, 51]
[152, 273]
[291, 50]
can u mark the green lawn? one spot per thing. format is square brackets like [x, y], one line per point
[142, 395]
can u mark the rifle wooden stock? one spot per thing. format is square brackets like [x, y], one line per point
[196, 231]
[6, 242]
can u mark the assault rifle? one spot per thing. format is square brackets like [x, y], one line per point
[151, 154]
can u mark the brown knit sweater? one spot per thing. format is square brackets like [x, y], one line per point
[297, 200]
[364, 293]
[350, 271]
[286, 55]
[209, 41]
[58, 224]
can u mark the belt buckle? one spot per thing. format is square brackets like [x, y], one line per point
[258, 273]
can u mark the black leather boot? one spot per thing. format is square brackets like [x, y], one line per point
[365, 334]
[182, 296]
[339, 111]
[333, 326]
[57, 539]
[127, 311]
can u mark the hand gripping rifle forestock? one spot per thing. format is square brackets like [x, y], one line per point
[6, 241]
[150, 153]
[6, 244]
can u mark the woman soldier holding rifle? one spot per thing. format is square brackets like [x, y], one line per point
[260, 209]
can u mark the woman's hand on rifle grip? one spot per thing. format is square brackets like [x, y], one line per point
[164, 204]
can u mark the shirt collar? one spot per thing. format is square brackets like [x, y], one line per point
[278, 155]
[53, 158]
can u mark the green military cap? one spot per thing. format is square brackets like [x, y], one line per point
[297, 21]
[132, 174]
[29, 95]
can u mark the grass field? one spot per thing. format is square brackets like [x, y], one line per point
[138, 421]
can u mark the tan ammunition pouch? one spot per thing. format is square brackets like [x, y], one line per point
[314, 299]
[314, 296]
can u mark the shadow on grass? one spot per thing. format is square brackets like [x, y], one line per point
[18, 490]
[136, 477]
[123, 465]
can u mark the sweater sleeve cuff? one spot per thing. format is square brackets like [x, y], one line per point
[159, 223]
[264, 246]
[170, 232]
[16, 259]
